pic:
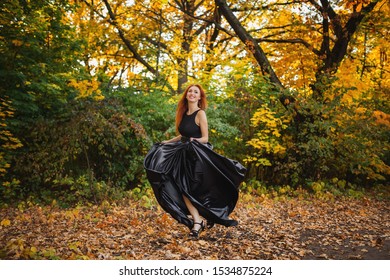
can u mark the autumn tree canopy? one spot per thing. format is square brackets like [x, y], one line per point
[310, 38]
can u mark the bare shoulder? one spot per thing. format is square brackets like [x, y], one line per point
[201, 114]
[201, 117]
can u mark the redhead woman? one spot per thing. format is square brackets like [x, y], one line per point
[197, 186]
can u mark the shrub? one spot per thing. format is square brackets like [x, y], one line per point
[328, 139]
[93, 150]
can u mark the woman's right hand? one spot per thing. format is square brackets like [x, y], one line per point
[174, 139]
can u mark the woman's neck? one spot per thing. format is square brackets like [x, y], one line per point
[192, 107]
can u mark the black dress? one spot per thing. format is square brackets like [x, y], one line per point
[209, 180]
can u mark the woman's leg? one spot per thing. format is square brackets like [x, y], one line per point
[194, 213]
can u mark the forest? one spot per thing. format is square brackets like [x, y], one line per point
[298, 91]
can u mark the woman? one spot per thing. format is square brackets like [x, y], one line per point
[187, 176]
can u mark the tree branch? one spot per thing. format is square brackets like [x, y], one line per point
[210, 20]
[334, 18]
[249, 42]
[340, 47]
[325, 45]
[264, 7]
[291, 41]
[128, 44]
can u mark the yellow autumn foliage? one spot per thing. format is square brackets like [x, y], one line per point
[381, 118]
[87, 88]
[268, 139]
[7, 140]
[5, 223]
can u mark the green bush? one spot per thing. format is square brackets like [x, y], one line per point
[90, 152]
[327, 140]
[154, 110]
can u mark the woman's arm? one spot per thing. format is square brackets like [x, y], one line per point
[204, 128]
[174, 139]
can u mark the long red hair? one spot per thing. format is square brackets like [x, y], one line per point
[182, 107]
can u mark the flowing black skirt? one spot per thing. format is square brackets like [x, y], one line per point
[209, 180]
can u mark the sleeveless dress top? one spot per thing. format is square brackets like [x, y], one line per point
[188, 127]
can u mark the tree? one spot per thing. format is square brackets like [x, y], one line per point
[143, 29]
[170, 42]
[327, 124]
[39, 62]
[39, 71]
[249, 41]
[325, 28]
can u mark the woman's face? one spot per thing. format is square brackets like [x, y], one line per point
[193, 94]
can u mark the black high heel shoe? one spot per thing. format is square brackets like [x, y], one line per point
[196, 232]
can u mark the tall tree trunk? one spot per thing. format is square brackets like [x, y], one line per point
[188, 9]
[249, 42]
[185, 52]
[332, 57]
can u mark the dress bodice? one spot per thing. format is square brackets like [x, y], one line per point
[188, 126]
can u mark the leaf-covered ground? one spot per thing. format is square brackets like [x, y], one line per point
[269, 229]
